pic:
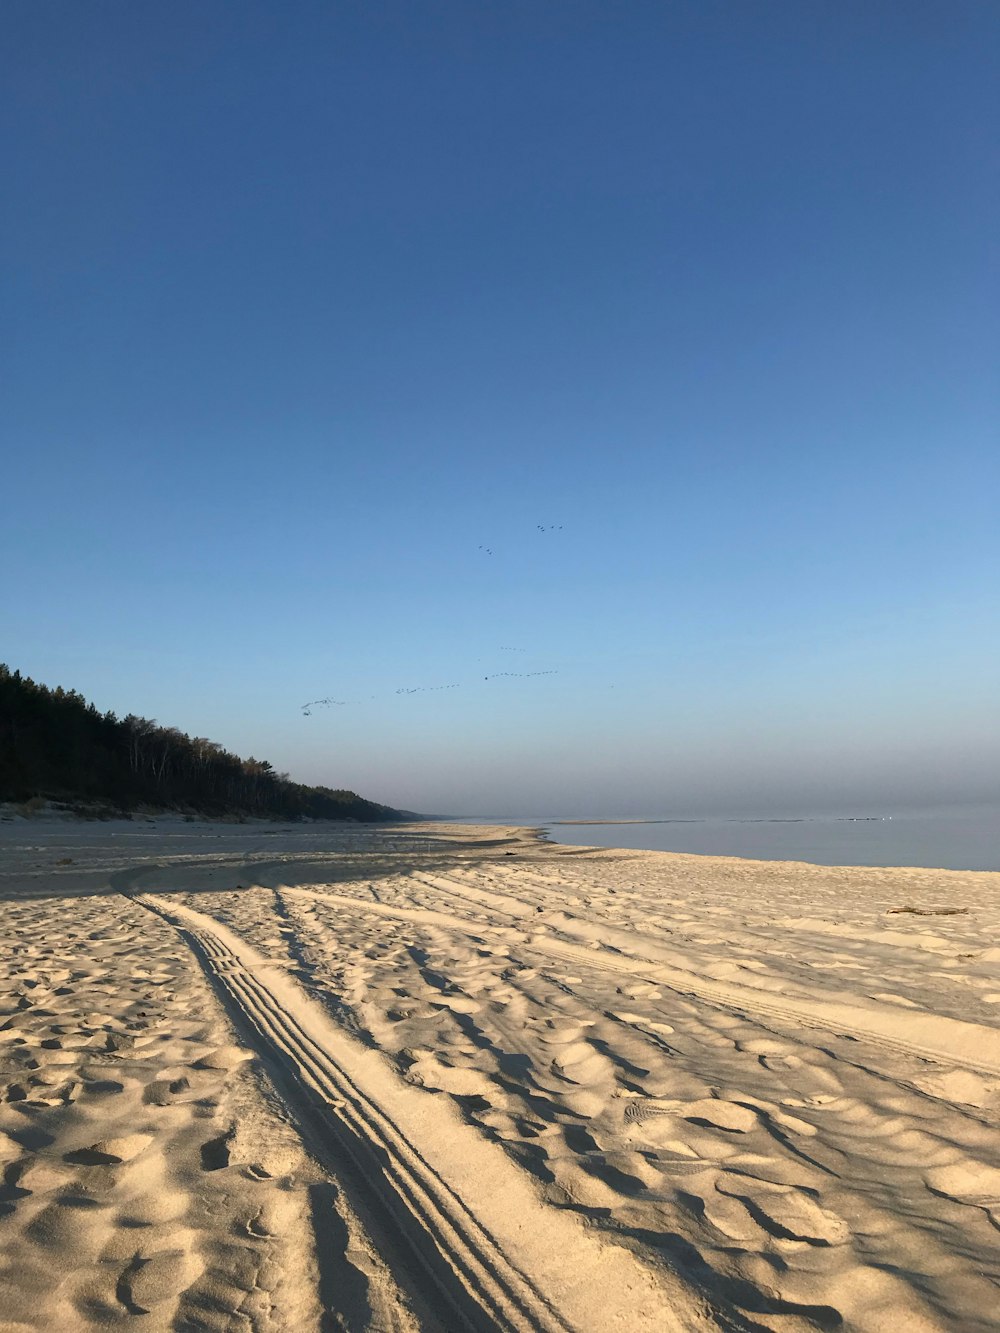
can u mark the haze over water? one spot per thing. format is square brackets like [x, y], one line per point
[968, 840]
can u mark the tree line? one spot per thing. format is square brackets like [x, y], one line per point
[56, 746]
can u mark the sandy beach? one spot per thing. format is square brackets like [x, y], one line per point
[441, 1077]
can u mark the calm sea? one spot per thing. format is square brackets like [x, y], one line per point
[941, 841]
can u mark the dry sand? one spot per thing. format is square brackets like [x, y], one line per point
[441, 1077]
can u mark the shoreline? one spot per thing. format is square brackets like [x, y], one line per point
[176, 826]
[969, 843]
[966, 841]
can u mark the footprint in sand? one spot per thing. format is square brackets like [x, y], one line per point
[639, 990]
[432, 1073]
[767, 1046]
[715, 1113]
[552, 1032]
[787, 1214]
[662, 1125]
[959, 1085]
[580, 1063]
[457, 1003]
[223, 1058]
[72, 1224]
[966, 1181]
[152, 1280]
[111, 1152]
[170, 1091]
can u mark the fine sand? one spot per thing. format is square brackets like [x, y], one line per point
[433, 1077]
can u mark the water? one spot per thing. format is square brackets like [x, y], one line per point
[968, 841]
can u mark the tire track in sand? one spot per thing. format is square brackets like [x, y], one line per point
[484, 1244]
[949, 1041]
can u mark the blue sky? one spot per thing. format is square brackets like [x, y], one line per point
[305, 304]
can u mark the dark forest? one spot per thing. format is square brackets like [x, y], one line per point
[55, 746]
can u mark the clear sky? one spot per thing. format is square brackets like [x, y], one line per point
[304, 305]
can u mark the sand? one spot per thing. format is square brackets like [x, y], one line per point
[265, 1077]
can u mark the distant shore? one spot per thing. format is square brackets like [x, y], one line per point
[734, 819]
[969, 841]
[626, 821]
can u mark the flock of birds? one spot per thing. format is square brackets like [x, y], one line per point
[307, 709]
[329, 702]
[542, 527]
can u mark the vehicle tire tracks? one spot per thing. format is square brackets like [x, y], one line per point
[944, 1040]
[463, 1213]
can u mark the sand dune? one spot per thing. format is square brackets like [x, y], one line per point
[440, 1077]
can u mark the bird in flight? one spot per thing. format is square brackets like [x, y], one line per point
[404, 690]
[519, 675]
